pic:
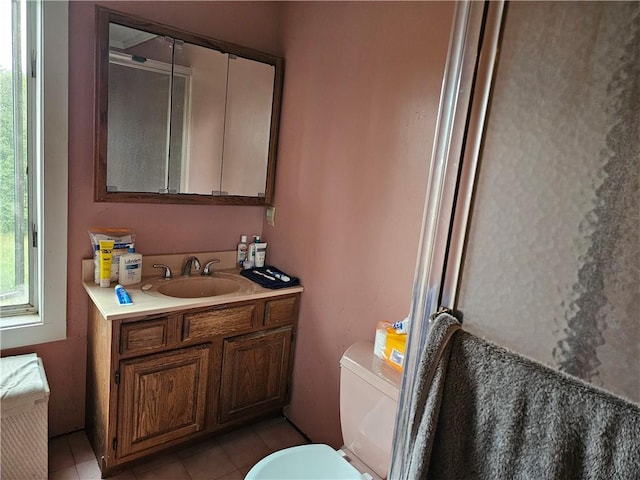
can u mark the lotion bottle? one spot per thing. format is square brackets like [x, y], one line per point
[130, 267]
[251, 254]
[260, 255]
[242, 250]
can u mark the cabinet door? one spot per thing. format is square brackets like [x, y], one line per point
[162, 397]
[255, 371]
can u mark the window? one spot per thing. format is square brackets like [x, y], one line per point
[16, 294]
[33, 171]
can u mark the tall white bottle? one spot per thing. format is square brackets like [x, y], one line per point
[261, 254]
[251, 252]
[130, 267]
[242, 250]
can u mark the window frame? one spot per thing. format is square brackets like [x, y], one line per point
[49, 184]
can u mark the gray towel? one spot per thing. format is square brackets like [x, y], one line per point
[482, 412]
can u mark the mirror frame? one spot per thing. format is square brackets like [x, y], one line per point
[104, 16]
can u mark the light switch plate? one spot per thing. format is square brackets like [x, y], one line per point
[271, 216]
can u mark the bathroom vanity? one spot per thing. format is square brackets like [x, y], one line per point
[168, 370]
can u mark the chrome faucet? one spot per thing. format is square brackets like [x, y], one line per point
[207, 270]
[186, 270]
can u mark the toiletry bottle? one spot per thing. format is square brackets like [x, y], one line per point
[242, 250]
[130, 267]
[106, 256]
[261, 254]
[251, 254]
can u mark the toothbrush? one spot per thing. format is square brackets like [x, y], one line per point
[279, 276]
[263, 274]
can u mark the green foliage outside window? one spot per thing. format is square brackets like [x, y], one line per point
[8, 203]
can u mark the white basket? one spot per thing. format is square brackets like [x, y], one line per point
[24, 427]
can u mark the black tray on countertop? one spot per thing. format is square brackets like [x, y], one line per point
[267, 277]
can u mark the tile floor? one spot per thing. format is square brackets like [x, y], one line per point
[225, 457]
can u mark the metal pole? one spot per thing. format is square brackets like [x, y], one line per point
[456, 93]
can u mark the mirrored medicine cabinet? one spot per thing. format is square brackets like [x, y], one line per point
[182, 118]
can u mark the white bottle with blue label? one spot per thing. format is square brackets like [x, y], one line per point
[260, 254]
[130, 267]
[251, 252]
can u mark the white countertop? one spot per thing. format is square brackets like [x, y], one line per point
[151, 302]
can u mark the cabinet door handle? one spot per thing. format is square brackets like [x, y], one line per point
[221, 307]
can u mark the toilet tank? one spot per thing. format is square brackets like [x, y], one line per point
[369, 390]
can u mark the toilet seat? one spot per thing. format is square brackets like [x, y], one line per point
[304, 462]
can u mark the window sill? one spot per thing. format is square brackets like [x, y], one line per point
[19, 321]
[30, 330]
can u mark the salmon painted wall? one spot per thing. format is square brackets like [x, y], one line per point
[362, 84]
[159, 228]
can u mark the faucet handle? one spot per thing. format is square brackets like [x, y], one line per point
[167, 270]
[207, 268]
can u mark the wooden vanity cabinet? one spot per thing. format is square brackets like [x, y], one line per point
[155, 382]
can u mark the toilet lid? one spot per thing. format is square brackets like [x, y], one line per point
[305, 462]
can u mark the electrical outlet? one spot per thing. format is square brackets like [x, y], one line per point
[271, 216]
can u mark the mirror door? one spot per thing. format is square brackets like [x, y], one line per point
[148, 113]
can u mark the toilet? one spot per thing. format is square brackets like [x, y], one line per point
[369, 390]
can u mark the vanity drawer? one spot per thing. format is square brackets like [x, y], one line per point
[281, 311]
[143, 336]
[220, 320]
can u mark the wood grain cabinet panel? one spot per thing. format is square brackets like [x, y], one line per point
[162, 398]
[141, 337]
[281, 311]
[222, 320]
[255, 371]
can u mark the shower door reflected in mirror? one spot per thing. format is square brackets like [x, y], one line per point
[552, 263]
[148, 112]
